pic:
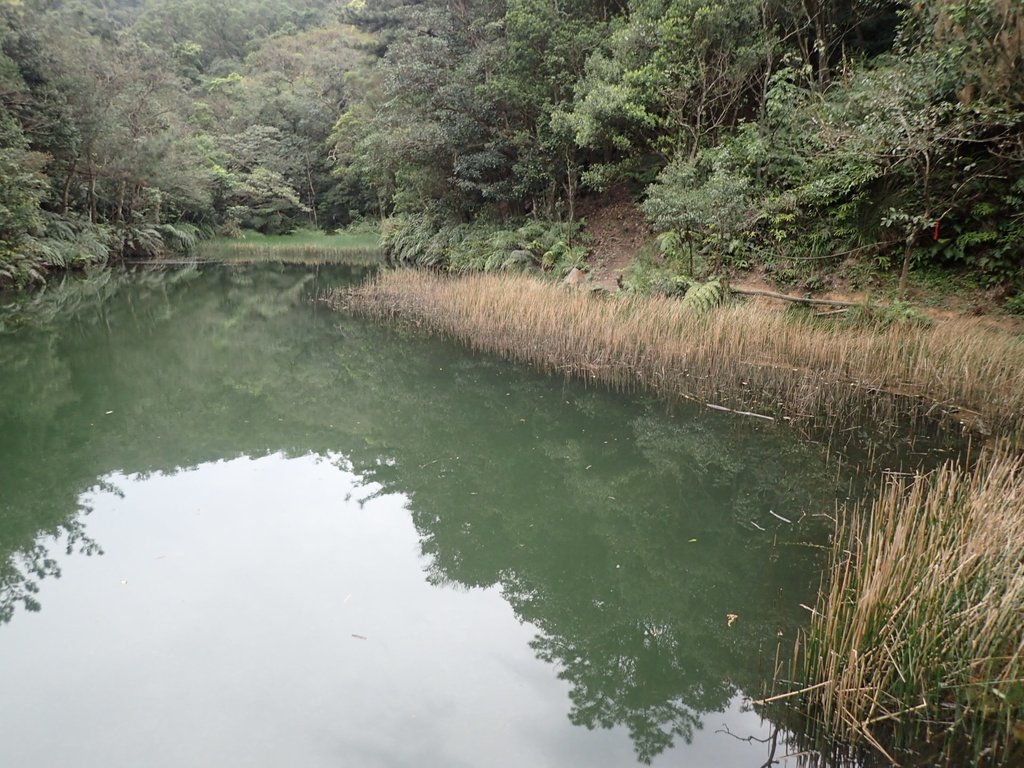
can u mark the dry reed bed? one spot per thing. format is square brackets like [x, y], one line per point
[920, 620]
[741, 356]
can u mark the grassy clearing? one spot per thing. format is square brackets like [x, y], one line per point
[742, 356]
[920, 621]
[302, 247]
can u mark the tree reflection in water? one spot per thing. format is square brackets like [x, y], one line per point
[626, 535]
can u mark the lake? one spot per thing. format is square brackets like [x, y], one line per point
[237, 528]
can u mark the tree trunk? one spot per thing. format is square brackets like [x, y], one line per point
[312, 196]
[119, 215]
[92, 195]
[901, 291]
[66, 197]
[570, 185]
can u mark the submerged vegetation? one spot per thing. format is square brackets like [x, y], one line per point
[745, 357]
[919, 620]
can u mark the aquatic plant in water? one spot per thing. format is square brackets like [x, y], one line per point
[741, 356]
[917, 632]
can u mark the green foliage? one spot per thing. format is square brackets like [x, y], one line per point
[562, 257]
[782, 134]
[139, 239]
[987, 239]
[703, 204]
[72, 243]
[989, 40]
[427, 241]
[34, 241]
[413, 239]
[644, 276]
[675, 74]
[1015, 304]
[894, 313]
[141, 127]
[21, 191]
[181, 236]
[701, 298]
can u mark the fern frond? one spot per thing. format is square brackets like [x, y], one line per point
[671, 244]
[703, 297]
[494, 261]
[518, 261]
[141, 241]
[181, 236]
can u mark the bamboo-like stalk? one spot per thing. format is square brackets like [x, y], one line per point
[741, 356]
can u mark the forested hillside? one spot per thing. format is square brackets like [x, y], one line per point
[791, 135]
[769, 132]
[128, 129]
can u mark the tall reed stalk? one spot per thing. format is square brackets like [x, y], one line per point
[741, 356]
[920, 620]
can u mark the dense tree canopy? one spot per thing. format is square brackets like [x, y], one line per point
[767, 132]
[132, 128]
[755, 131]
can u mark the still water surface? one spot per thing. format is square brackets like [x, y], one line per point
[237, 529]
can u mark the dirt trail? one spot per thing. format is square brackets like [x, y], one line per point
[617, 231]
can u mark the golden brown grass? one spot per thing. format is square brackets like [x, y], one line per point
[920, 620]
[742, 356]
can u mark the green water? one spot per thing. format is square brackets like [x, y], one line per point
[237, 529]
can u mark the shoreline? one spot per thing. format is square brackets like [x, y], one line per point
[744, 358]
[950, 524]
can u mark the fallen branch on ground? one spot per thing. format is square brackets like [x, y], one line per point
[795, 299]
